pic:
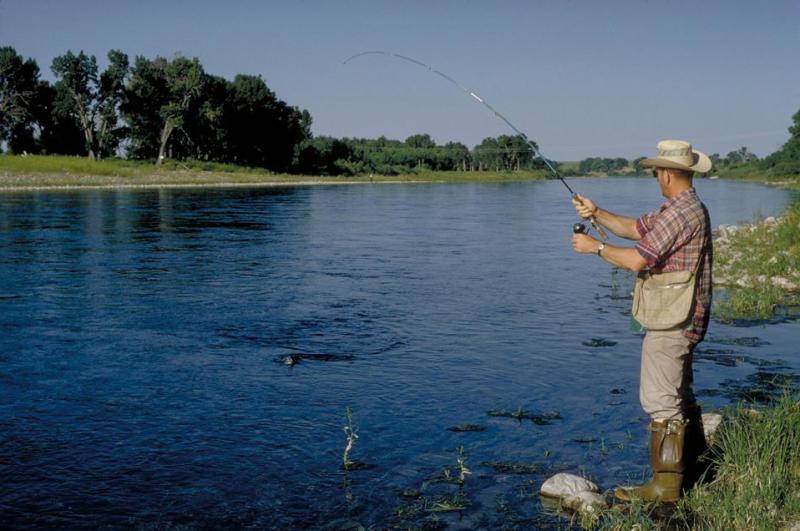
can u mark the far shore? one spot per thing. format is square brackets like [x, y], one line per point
[5, 187]
[36, 172]
[67, 182]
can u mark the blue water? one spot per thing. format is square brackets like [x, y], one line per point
[142, 381]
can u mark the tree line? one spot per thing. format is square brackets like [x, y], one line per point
[146, 109]
[157, 109]
[171, 108]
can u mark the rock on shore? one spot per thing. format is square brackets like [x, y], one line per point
[728, 269]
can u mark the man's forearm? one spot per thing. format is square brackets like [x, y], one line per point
[625, 257]
[620, 225]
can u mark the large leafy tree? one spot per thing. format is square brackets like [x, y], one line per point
[786, 161]
[158, 102]
[19, 81]
[504, 153]
[93, 99]
[323, 156]
[205, 135]
[262, 129]
[60, 131]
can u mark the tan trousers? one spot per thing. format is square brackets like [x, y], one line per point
[665, 387]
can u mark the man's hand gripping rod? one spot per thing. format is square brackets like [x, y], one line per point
[578, 227]
[523, 136]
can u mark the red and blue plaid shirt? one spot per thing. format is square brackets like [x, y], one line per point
[677, 237]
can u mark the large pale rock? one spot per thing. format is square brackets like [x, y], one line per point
[711, 422]
[563, 485]
[784, 283]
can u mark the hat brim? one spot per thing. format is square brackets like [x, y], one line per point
[702, 164]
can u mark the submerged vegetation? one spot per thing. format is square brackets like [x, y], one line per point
[756, 483]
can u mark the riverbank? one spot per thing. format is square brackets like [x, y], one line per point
[756, 483]
[35, 172]
[759, 264]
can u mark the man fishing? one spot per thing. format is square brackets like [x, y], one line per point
[675, 239]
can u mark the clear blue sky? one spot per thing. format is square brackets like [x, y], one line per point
[581, 78]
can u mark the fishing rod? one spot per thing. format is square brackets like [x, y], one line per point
[578, 227]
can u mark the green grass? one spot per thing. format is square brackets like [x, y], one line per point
[754, 171]
[757, 481]
[60, 171]
[758, 254]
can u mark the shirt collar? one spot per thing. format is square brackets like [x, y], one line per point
[680, 197]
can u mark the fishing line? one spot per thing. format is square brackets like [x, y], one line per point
[486, 104]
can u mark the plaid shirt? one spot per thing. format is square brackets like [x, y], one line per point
[677, 237]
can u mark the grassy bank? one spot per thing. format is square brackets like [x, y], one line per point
[759, 264]
[754, 171]
[36, 171]
[757, 481]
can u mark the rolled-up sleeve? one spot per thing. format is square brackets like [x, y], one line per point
[660, 235]
[645, 223]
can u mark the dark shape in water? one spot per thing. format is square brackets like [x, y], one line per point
[599, 342]
[518, 468]
[618, 391]
[729, 358]
[328, 357]
[293, 359]
[759, 388]
[585, 440]
[358, 465]
[752, 341]
[467, 427]
[520, 415]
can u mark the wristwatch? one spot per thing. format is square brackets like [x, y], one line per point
[600, 248]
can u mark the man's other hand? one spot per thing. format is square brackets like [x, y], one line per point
[583, 243]
[584, 206]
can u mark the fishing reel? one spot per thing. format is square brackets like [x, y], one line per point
[579, 228]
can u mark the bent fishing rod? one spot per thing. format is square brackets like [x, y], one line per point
[578, 227]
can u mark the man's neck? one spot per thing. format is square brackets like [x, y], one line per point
[678, 189]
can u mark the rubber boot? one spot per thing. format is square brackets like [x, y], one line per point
[667, 440]
[695, 448]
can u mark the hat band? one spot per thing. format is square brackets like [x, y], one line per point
[680, 152]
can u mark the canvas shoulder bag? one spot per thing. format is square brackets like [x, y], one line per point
[663, 301]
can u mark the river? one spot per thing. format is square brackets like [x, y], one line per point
[145, 337]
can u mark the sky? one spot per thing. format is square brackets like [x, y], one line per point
[581, 78]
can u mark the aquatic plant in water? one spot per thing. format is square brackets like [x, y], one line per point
[351, 433]
[461, 462]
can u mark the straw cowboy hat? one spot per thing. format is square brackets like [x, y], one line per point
[679, 155]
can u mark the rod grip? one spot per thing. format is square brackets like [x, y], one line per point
[600, 231]
[598, 228]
